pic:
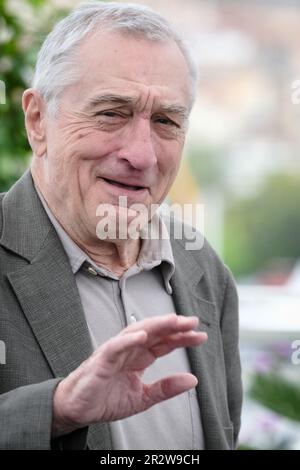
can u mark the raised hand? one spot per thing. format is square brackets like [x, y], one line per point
[108, 385]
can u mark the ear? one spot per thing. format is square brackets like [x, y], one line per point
[35, 122]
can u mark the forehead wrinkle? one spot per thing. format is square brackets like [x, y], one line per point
[147, 102]
[152, 103]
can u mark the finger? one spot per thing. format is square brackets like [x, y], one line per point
[163, 325]
[167, 388]
[139, 358]
[179, 340]
[112, 350]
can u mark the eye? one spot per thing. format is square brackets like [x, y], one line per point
[165, 121]
[110, 114]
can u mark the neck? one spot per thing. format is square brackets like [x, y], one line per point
[116, 256]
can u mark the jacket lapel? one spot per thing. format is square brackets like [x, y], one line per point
[46, 289]
[188, 301]
[48, 295]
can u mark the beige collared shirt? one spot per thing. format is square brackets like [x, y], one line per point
[110, 304]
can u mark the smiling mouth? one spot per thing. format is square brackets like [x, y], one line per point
[122, 185]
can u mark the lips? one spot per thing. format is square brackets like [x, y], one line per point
[120, 184]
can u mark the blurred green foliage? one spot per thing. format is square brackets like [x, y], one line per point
[277, 394]
[260, 228]
[18, 49]
[265, 226]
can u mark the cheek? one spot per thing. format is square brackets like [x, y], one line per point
[93, 146]
[88, 191]
[90, 154]
[169, 160]
[79, 159]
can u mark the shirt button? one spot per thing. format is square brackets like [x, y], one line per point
[133, 319]
[92, 271]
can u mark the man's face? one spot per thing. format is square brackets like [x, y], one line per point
[119, 130]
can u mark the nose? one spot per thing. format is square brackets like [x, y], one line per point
[138, 147]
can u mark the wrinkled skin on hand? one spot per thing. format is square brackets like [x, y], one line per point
[108, 386]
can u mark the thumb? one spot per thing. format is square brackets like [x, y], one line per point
[168, 387]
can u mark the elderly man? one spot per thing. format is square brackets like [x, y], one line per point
[116, 342]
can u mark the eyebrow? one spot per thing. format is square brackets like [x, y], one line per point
[175, 109]
[129, 100]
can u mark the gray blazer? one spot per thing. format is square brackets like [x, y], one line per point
[44, 329]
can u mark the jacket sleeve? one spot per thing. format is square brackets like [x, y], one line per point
[230, 336]
[26, 420]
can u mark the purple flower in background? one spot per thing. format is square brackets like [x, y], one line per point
[283, 350]
[269, 423]
[263, 363]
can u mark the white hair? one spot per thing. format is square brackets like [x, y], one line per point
[56, 66]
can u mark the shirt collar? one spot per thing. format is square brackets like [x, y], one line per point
[156, 250]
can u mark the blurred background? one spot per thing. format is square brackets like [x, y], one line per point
[241, 161]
